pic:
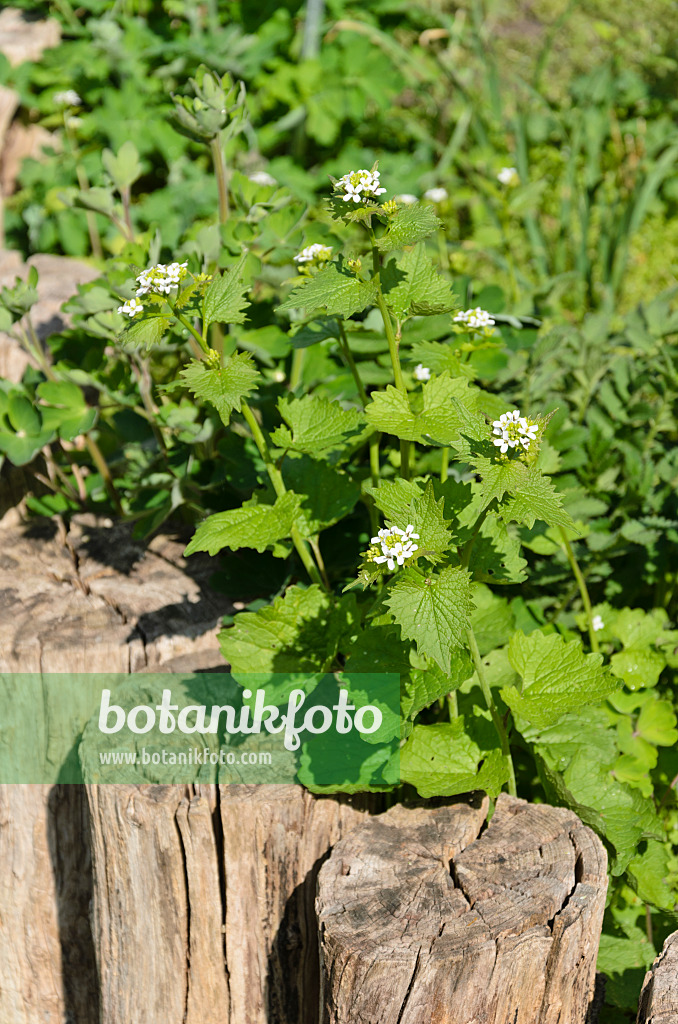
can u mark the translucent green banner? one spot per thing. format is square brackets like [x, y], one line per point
[329, 732]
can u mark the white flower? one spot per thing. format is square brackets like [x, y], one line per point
[508, 176]
[262, 178]
[476, 319]
[597, 623]
[131, 307]
[359, 185]
[395, 553]
[161, 279]
[422, 372]
[66, 98]
[436, 195]
[406, 199]
[316, 253]
[73, 123]
[513, 430]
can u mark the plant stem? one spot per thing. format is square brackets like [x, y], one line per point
[496, 717]
[275, 476]
[101, 464]
[444, 465]
[452, 706]
[222, 183]
[583, 589]
[393, 350]
[348, 356]
[297, 368]
[204, 347]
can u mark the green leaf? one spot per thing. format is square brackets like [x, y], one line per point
[426, 515]
[537, 499]
[492, 620]
[299, 632]
[637, 666]
[125, 167]
[657, 723]
[624, 960]
[557, 677]
[495, 556]
[379, 649]
[223, 386]
[23, 416]
[637, 628]
[225, 300]
[394, 497]
[421, 291]
[446, 411]
[252, 526]
[317, 427]
[409, 225]
[325, 493]
[648, 874]
[335, 290]
[499, 477]
[425, 685]
[67, 413]
[148, 332]
[433, 610]
[450, 758]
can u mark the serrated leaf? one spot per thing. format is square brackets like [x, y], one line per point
[223, 386]
[148, 332]
[326, 494]
[335, 290]
[616, 811]
[447, 759]
[557, 677]
[495, 555]
[433, 610]
[425, 685]
[252, 526]
[299, 632]
[537, 498]
[409, 225]
[499, 477]
[427, 517]
[446, 411]
[492, 619]
[317, 427]
[413, 287]
[225, 300]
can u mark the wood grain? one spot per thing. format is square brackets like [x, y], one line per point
[659, 996]
[424, 920]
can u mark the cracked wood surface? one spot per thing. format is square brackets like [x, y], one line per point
[90, 599]
[86, 600]
[422, 919]
[659, 996]
[204, 901]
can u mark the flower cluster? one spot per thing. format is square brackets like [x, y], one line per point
[316, 253]
[161, 279]
[513, 430]
[508, 176]
[597, 623]
[359, 185]
[476, 319]
[436, 195]
[131, 307]
[422, 372]
[67, 98]
[396, 546]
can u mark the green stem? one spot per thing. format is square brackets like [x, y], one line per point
[583, 589]
[101, 464]
[275, 476]
[452, 706]
[348, 356]
[444, 465]
[220, 173]
[393, 351]
[496, 717]
[190, 328]
[297, 368]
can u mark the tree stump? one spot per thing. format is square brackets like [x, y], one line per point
[659, 996]
[203, 902]
[424, 918]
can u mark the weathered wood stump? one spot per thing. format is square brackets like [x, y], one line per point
[659, 997]
[204, 902]
[423, 918]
